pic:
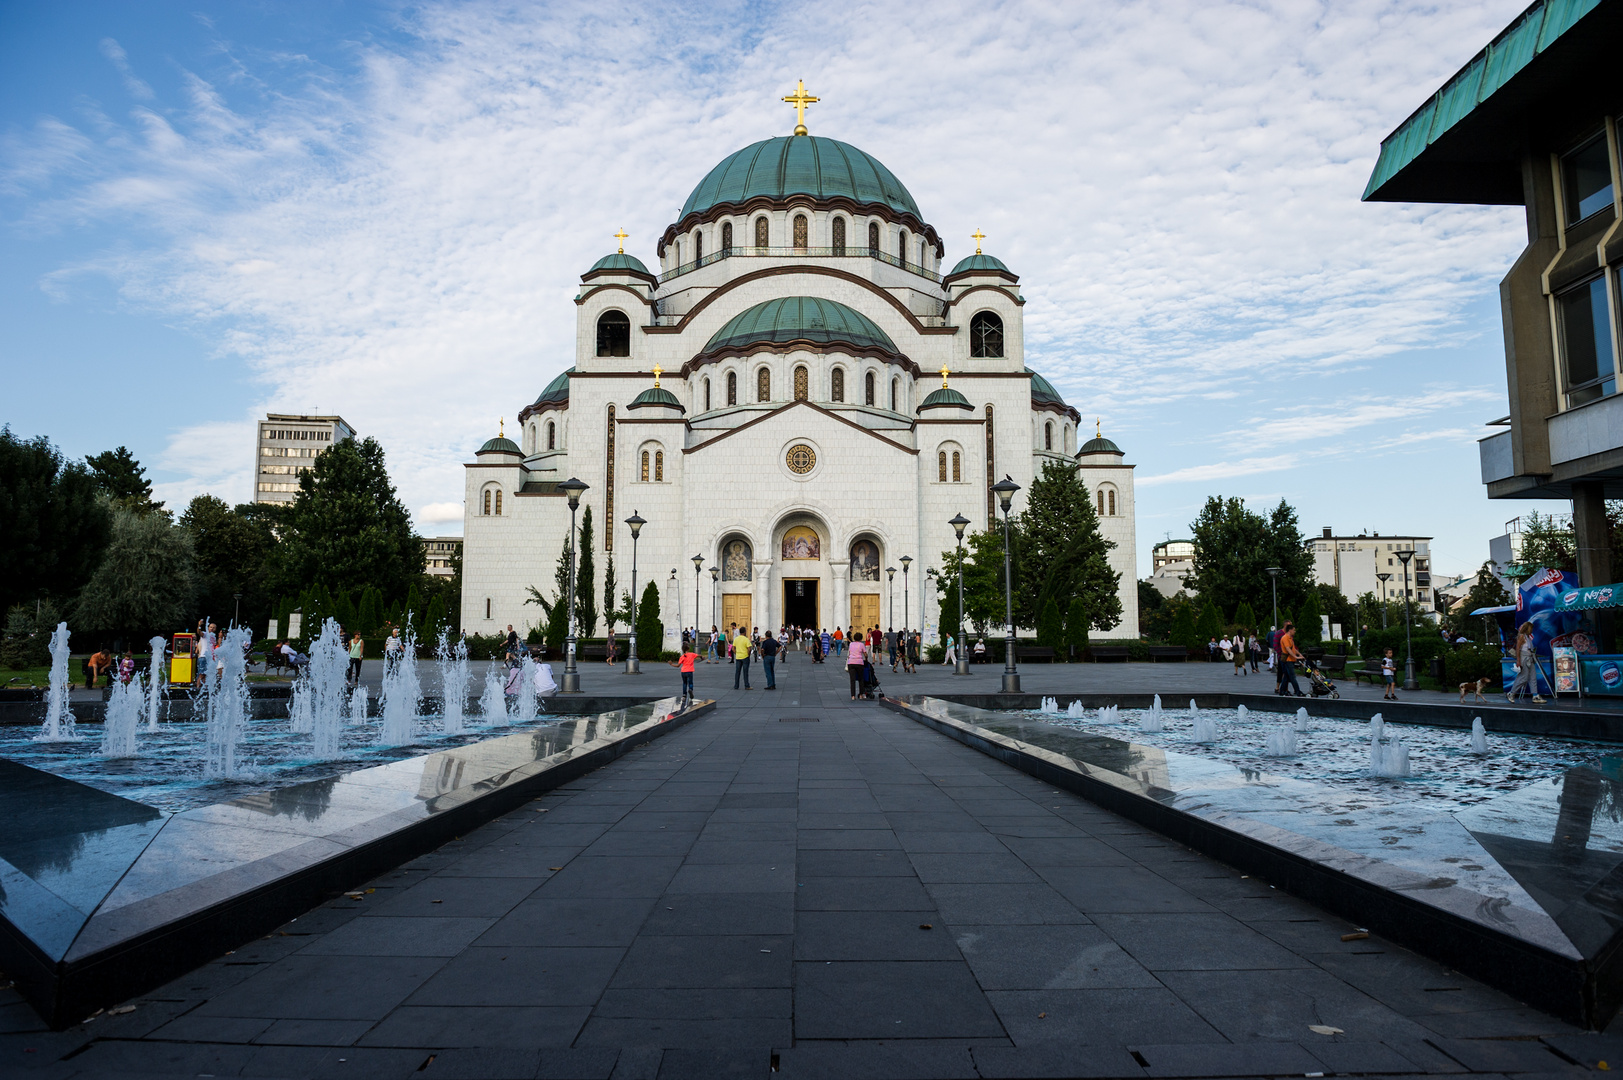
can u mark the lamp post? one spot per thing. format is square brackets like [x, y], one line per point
[1409, 681]
[1005, 489]
[1273, 576]
[890, 591]
[698, 569]
[1383, 578]
[961, 661]
[906, 561]
[236, 613]
[715, 574]
[571, 681]
[635, 524]
[924, 593]
[676, 591]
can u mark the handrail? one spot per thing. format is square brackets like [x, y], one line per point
[797, 252]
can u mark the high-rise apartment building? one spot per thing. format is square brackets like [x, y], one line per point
[287, 446]
[1354, 565]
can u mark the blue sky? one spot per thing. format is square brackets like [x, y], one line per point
[211, 210]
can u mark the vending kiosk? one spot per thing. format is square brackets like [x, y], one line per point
[180, 660]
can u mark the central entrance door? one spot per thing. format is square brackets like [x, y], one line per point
[800, 602]
[735, 608]
[864, 611]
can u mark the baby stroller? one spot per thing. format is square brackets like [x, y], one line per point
[870, 682]
[1318, 682]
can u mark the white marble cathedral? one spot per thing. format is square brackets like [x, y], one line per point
[801, 397]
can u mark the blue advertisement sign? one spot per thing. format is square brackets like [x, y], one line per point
[1543, 601]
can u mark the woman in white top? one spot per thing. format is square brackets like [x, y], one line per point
[951, 656]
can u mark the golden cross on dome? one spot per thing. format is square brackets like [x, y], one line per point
[621, 236]
[657, 370]
[943, 374]
[800, 99]
[501, 427]
[1098, 433]
[977, 236]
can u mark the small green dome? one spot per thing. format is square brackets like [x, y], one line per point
[1100, 445]
[655, 395]
[500, 445]
[620, 261]
[977, 261]
[1042, 391]
[801, 318]
[799, 165]
[557, 390]
[946, 396]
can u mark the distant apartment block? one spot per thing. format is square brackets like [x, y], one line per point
[1353, 564]
[440, 554]
[287, 446]
[1171, 561]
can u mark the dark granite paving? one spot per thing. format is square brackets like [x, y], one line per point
[825, 888]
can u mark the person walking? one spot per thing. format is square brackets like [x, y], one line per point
[1526, 667]
[910, 654]
[890, 646]
[769, 655]
[357, 652]
[741, 658]
[1254, 648]
[949, 656]
[826, 640]
[685, 663]
[608, 647]
[854, 659]
[1238, 652]
[1288, 655]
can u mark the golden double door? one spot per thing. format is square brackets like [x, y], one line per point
[864, 611]
[735, 608]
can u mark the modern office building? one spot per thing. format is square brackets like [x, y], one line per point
[1171, 563]
[1354, 565]
[1531, 121]
[440, 554]
[287, 446]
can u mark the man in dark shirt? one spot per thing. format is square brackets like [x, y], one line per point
[769, 656]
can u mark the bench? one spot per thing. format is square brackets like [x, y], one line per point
[1110, 652]
[1336, 664]
[1369, 671]
[278, 660]
[1171, 653]
[1034, 652]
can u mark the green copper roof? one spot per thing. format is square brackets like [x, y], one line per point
[557, 389]
[801, 318]
[1534, 31]
[502, 445]
[1099, 446]
[979, 262]
[655, 395]
[620, 261]
[1042, 391]
[799, 165]
[945, 395]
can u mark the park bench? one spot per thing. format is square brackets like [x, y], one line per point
[1109, 652]
[1333, 664]
[278, 660]
[1034, 652]
[1370, 671]
[1170, 653]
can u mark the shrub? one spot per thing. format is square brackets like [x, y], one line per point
[1467, 663]
[487, 646]
[1426, 644]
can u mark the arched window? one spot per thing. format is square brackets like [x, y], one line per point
[901, 247]
[498, 503]
[726, 238]
[1111, 502]
[867, 389]
[800, 232]
[760, 232]
[1048, 435]
[659, 466]
[1101, 507]
[698, 246]
[957, 473]
[895, 387]
[552, 435]
[837, 389]
[763, 385]
[941, 466]
[985, 335]
[732, 388]
[613, 334]
[839, 236]
[873, 238]
[707, 395]
[802, 383]
[645, 466]
[487, 504]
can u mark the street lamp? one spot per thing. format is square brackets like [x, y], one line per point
[715, 574]
[1409, 681]
[571, 682]
[1383, 578]
[906, 561]
[676, 591]
[698, 568]
[635, 524]
[236, 614]
[1273, 575]
[961, 661]
[890, 590]
[1005, 489]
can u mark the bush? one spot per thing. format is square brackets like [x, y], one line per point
[934, 654]
[1467, 663]
[487, 646]
[1426, 644]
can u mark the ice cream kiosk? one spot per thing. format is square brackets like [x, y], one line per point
[180, 659]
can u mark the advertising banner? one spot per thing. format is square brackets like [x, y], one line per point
[1566, 669]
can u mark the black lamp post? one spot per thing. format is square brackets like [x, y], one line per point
[1273, 576]
[698, 569]
[1383, 578]
[906, 561]
[890, 590]
[715, 573]
[635, 524]
[236, 614]
[1005, 489]
[571, 681]
[961, 661]
[1409, 681]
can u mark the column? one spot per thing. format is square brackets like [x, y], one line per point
[761, 605]
[1594, 547]
[840, 571]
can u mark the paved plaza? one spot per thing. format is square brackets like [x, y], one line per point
[801, 882]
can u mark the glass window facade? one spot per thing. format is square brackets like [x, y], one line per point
[1586, 175]
[1586, 342]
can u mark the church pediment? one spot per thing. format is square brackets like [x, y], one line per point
[791, 413]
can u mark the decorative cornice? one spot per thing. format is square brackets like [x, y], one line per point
[1004, 274]
[801, 200]
[1018, 301]
[594, 290]
[537, 408]
[794, 405]
[780, 271]
[613, 271]
[784, 348]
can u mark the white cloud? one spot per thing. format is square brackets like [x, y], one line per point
[1177, 182]
[436, 513]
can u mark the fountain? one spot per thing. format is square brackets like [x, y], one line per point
[453, 681]
[402, 695]
[58, 726]
[1205, 727]
[227, 703]
[1387, 756]
[493, 702]
[328, 679]
[1050, 705]
[1154, 721]
[526, 690]
[301, 715]
[122, 719]
[1281, 742]
[1479, 737]
[155, 682]
[1301, 720]
[1244, 712]
[358, 701]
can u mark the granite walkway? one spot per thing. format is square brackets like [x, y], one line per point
[827, 889]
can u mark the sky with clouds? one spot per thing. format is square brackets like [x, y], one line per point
[213, 210]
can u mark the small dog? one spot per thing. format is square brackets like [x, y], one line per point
[1474, 688]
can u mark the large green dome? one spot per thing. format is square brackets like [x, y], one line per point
[1042, 391]
[801, 318]
[799, 165]
[557, 390]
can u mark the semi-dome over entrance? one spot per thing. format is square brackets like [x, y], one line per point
[792, 319]
[800, 165]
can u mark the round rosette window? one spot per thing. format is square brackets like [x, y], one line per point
[801, 459]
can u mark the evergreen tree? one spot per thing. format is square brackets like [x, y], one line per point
[434, 620]
[586, 580]
[123, 480]
[414, 609]
[1051, 625]
[1076, 626]
[395, 616]
[369, 616]
[1234, 548]
[1310, 627]
[1210, 623]
[946, 584]
[1183, 628]
[1150, 602]
[610, 614]
[1062, 553]
[231, 547]
[557, 611]
[1245, 618]
[54, 526]
[650, 629]
[146, 584]
[344, 611]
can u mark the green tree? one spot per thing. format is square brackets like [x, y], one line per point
[1076, 626]
[1486, 591]
[145, 585]
[434, 620]
[586, 580]
[369, 614]
[346, 528]
[1183, 630]
[231, 547]
[1210, 623]
[946, 584]
[1150, 602]
[1062, 553]
[1245, 618]
[1309, 627]
[415, 607]
[53, 525]
[610, 614]
[123, 480]
[557, 612]
[1051, 625]
[1234, 547]
[1334, 603]
[650, 628]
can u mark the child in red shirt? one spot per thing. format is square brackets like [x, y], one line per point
[685, 662]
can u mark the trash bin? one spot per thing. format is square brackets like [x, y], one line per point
[1437, 668]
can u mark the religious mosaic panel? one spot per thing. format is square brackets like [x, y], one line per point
[801, 543]
[735, 561]
[864, 561]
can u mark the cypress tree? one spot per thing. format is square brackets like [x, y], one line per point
[414, 608]
[1245, 618]
[1210, 624]
[369, 616]
[1050, 625]
[1183, 628]
[1076, 626]
[586, 580]
[1309, 629]
[434, 621]
[650, 629]
[609, 612]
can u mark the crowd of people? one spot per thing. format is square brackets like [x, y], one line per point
[741, 646]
